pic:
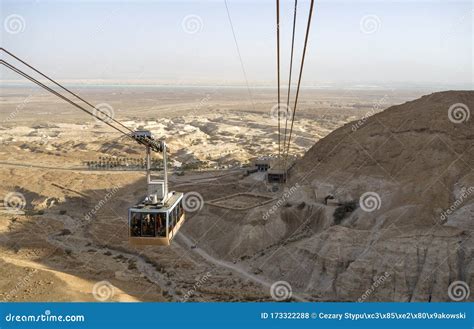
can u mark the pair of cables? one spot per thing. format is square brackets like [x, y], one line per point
[286, 144]
[92, 110]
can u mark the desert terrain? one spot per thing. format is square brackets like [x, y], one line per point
[63, 242]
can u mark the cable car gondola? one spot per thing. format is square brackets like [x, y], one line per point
[156, 219]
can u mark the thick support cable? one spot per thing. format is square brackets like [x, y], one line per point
[64, 88]
[25, 75]
[289, 78]
[278, 70]
[301, 73]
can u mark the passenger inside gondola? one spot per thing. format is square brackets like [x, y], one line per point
[148, 225]
[161, 225]
[172, 220]
[135, 225]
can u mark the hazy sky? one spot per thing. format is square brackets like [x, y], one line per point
[357, 42]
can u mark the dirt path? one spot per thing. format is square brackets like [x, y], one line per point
[230, 266]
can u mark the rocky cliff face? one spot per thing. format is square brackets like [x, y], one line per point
[403, 228]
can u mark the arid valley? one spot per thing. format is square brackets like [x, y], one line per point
[74, 178]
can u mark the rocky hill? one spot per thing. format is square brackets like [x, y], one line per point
[402, 231]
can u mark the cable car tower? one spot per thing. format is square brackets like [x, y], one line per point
[156, 219]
